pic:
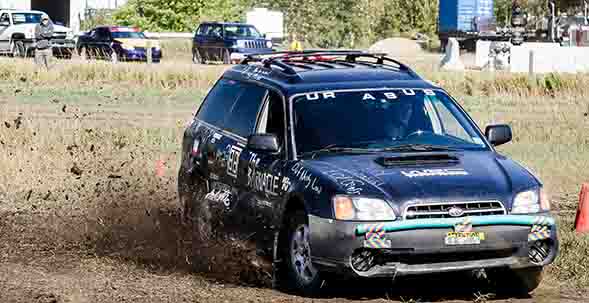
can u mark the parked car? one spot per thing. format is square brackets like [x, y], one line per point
[356, 166]
[17, 34]
[227, 42]
[118, 43]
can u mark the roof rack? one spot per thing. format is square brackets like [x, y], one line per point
[282, 58]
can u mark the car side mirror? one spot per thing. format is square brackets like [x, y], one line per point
[263, 143]
[498, 134]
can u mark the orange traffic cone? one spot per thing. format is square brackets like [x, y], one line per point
[582, 219]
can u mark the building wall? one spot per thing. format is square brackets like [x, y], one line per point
[15, 4]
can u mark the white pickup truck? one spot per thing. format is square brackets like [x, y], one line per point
[17, 34]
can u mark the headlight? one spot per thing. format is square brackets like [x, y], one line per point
[530, 201]
[362, 209]
[69, 35]
[269, 44]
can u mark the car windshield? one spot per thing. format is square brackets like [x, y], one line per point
[241, 31]
[128, 35]
[378, 119]
[21, 18]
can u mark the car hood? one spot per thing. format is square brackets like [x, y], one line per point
[31, 26]
[472, 176]
[139, 42]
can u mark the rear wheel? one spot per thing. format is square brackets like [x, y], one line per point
[197, 58]
[516, 281]
[300, 275]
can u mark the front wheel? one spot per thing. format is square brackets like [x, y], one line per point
[114, 57]
[516, 281]
[299, 272]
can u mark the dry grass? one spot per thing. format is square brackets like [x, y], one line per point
[80, 180]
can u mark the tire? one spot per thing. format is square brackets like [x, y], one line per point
[299, 274]
[518, 282]
[114, 57]
[226, 57]
[196, 216]
[17, 49]
[197, 58]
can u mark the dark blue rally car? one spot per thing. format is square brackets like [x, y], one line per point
[348, 164]
[227, 42]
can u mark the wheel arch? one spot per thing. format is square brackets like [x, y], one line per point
[17, 36]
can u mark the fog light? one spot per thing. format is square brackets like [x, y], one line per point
[363, 260]
[540, 251]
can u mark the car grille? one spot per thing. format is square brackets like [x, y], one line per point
[442, 210]
[255, 44]
[59, 35]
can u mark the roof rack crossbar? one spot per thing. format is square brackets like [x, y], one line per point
[277, 59]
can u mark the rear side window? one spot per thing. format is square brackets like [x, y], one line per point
[233, 106]
[219, 102]
[242, 119]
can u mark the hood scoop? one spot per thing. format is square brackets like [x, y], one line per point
[420, 158]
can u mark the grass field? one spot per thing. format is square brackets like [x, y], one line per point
[84, 218]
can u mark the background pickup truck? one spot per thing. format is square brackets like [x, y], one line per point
[17, 34]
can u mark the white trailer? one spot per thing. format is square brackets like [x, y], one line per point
[268, 22]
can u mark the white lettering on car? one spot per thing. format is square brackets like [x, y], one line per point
[429, 92]
[435, 172]
[408, 92]
[220, 193]
[233, 160]
[390, 95]
[265, 182]
[309, 181]
[351, 185]
[368, 96]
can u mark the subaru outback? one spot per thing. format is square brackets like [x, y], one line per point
[357, 167]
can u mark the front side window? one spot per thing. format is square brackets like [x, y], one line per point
[23, 18]
[4, 18]
[241, 120]
[241, 31]
[128, 35]
[381, 119]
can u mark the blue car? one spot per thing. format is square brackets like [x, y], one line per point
[348, 164]
[118, 43]
[227, 42]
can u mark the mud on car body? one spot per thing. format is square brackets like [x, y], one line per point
[356, 167]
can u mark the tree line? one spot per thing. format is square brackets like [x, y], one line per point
[320, 23]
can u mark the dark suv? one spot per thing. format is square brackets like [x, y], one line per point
[349, 163]
[227, 42]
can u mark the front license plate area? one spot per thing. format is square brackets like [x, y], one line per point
[464, 238]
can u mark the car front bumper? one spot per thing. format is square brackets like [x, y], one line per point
[59, 46]
[412, 247]
[141, 55]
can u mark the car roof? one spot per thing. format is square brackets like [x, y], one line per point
[23, 11]
[300, 72]
[224, 23]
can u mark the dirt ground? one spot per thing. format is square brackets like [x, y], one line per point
[85, 218]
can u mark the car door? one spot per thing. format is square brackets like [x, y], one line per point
[200, 39]
[103, 42]
[4, 35]
[266, 181]
[241, 218]
[214, 40]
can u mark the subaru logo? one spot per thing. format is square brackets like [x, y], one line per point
[455, 211]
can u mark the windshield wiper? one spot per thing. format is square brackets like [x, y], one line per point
[419, 148]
